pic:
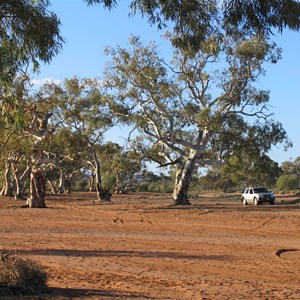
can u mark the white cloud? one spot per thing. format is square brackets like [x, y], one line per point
[42, 81]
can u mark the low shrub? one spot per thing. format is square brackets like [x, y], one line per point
[19, 275]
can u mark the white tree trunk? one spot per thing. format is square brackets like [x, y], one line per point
[19, 181]
[7, 188]
[102, 193]
[52, 185]
[19, 191]
[91, 181]
[184, 173]
[37, 188]
[61, 187]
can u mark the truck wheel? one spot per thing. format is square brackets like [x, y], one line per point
[244, 201]
[271, 202]
[255, 202]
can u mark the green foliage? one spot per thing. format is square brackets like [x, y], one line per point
[29, 33]
[251, 168]
[289, 180]
[159, 184]
[186, 123]
[193, 21]
[287, 183]
[291, 167]
[242, 168]
[122, 170]
[214, 180]
[262, 16]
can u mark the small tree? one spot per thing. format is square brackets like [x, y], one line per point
[287, 182]
[123, 170]
[291, 167]
[247, 168]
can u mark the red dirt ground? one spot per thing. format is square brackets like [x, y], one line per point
[139, 246]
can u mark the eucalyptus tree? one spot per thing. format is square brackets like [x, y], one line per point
[290, 178]
[65, 149]
[249, 168]
[15, 161]
[181, 108]
[124, 170]
[288, 183]
[291, 167]
[245, 150]
[190, 21]
[28, 134]
[35, 128]
[18, 163]
[29, 34]
[81, 106]
[5, 165]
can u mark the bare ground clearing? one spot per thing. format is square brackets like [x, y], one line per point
[141, 247]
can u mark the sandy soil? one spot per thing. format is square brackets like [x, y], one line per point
[141, 247]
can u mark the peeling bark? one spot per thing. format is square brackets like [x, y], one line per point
[103, 194]
[184, 173]
[38, 129]
[37, 188]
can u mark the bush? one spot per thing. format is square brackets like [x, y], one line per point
[287, 182]
[20, 275]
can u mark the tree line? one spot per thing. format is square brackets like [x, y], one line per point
[202, 108]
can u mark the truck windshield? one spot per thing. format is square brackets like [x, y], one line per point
[260, 190]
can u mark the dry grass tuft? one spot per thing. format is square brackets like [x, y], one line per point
[19, 275]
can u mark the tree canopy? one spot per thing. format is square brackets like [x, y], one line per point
[199, 104]
[190, 112]
[29, 34]
[192, 20]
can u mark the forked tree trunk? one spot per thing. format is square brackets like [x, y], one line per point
[19, 182]
[184, 172]
[37, 188]
[38, 129]
[52, 185]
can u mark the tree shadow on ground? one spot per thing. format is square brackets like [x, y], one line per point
[69, 293]
[9, 293]
[122, 253]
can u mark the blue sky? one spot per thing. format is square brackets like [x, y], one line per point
[87, 30]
